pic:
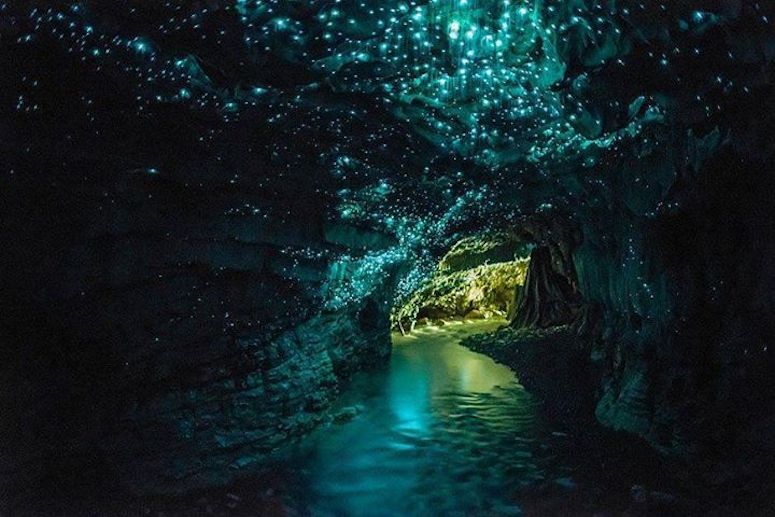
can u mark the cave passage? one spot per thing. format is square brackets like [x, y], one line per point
[439, 430]
[479, 278]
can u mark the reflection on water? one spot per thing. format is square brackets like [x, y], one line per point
[442, 430]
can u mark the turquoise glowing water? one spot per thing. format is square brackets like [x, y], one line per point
[441, 430]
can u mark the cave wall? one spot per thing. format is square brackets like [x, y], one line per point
[675, 303]
[666, 275]
[162, 337]
[672, 261]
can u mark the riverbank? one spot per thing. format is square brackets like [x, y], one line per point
[613, 473]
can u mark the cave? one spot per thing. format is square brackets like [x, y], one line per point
[395, 257]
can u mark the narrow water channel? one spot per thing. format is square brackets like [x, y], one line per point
[440, 431]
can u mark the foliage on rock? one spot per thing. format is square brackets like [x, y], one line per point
[466, 284]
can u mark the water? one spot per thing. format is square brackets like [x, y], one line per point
[441, 430]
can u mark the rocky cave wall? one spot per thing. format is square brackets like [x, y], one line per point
[678, 343]
[164, 336]
[676, 325]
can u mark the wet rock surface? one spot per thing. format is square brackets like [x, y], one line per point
[616, 472]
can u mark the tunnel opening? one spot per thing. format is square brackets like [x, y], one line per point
[524, 277]
[479, 278]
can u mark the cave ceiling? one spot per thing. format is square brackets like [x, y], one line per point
[420, 119]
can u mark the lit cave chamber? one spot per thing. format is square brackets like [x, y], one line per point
[387, 257]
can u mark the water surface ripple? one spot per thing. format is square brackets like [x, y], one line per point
[441, 431]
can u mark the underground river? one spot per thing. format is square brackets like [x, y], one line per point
[440, 430]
